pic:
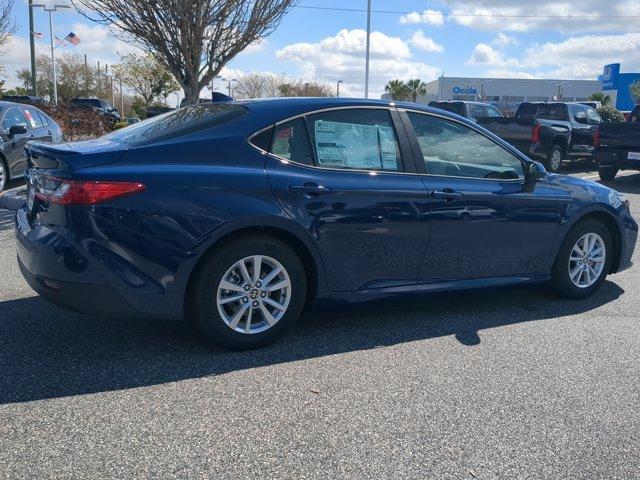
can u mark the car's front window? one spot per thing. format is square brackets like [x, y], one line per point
[453, 149]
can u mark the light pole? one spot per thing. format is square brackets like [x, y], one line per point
[52, 7]
[338, 88]
[32, 47]
[366, 77]
[229, 84]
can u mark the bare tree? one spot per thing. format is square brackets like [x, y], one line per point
[194, 39]
[145, 76]
[8, 25]
[259, 85]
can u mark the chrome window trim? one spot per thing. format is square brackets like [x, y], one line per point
[317, 167]
[443, 117]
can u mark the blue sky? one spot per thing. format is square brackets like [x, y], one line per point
[419, 39]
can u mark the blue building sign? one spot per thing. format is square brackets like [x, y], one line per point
[612, 80]
[609, 77]
[465, 91]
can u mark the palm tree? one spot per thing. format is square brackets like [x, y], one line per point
[417, 88]
[398, 90]
[600, 97]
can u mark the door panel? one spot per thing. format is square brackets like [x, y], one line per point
[485, 220]
[371, 226]
[489, 229]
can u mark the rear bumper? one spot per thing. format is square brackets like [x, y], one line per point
[616, 159]
[67, 275]
[101, 300]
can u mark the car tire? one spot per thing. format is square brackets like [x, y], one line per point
[235, 318]
[607, 173]
[4, 175]
[564, 283]
[554, 159]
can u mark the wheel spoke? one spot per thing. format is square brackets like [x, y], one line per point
[598, 259]
[595, 274]
[247, 327]
[588, 273]
[272, 274]
[273, 303]
[266, 314]
[278, 286]
[257, 267]
[226, 285]
[238, 316]
[231, 298]
[575, 272]
[244, 272]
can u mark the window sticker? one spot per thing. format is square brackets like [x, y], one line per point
[350, 145]
[27, 114]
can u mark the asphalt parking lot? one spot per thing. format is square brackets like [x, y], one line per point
[502, 384]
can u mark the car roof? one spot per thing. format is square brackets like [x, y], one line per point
[273, 110]
[466, 102]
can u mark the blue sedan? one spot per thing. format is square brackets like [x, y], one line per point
[239, 215]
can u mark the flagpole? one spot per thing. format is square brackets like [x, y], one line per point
[368, 48]
[32, 47]
[53, 60]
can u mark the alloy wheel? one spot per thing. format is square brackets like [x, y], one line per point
[254, 294]
[556, 160]
[587, 260]
[3, 176]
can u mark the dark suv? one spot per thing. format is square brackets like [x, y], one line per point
[19, 124]
[101, 106]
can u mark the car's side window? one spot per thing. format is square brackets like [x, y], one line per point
[594, 118]
[452, 149]
[492, 112]
[290, 141]
[476, 111]
[33, 118]
[14, 117]
[362, 139]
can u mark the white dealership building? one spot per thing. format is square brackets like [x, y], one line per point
[508, 91]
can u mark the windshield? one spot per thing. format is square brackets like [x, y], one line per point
[178, 122]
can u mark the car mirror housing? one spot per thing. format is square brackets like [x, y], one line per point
[17, 130]
[536, 171]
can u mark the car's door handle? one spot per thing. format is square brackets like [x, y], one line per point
[447, 194]
[309, 189]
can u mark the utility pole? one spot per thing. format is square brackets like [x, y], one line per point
[338, 88]
[366, 78]
[121, 98]
[32, 46]
[53, 60]
[99, 83]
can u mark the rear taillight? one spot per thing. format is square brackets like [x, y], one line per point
[63, 191]
[596, 138]
[535, 133]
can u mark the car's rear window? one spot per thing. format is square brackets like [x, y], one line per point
[544, 111]
[453, 107]
[172, 124]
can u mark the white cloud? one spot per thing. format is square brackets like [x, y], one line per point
[504, 41]
[428, 17]
[566, 16]
[424, 43]
[505, 73]
[342, 57]
[579, 57]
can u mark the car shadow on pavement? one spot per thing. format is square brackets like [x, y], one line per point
[625, 184]
[6, 219]
[49, 353]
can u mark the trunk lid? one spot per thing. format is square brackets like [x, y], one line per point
[64, 158]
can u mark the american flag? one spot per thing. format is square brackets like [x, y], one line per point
[72, 38]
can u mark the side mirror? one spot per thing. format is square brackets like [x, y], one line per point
[582, 120]
[536, 171]
[17, 130]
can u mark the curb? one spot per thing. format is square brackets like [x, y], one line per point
[13, 199]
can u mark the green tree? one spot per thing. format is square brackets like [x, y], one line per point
[635, 90]
[600, 97]
[398, 90]
[145, 76]
[610, 114]
[416, 88]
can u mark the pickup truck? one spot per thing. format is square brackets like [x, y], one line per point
[471, 110]
[549, 132]
[618, 146]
